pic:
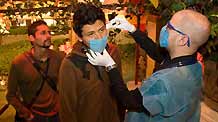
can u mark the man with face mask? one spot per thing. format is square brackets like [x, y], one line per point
[153, 50]
[173, 93]
[31, 93]
[85, 89]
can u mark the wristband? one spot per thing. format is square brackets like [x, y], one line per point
[108, 68]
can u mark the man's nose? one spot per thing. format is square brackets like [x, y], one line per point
[48, 34]
[98, 35]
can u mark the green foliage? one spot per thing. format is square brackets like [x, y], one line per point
[61, 27]
[214, 30]
[213, 57]
[212, 43]
[20, 30]
[57, 43]
[178, 6]
[127, 52]
[209, 8]
[9, 51]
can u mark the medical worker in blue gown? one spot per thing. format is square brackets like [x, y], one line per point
[173, 93]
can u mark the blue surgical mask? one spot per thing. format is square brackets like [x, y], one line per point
[164, 37]
[98, 45]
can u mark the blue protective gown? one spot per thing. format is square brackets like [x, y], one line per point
[171, 95]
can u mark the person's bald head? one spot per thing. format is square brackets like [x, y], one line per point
[194, 24]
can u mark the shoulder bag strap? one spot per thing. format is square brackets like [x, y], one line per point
[44, 75]
[2, 110]
[38, 68]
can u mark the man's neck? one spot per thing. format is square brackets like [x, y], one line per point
[40, 54]
[181, 52]
[179, 55]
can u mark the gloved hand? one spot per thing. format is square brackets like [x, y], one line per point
[122, 23]
[95, 58]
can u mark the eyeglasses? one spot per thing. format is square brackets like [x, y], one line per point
[171, 27]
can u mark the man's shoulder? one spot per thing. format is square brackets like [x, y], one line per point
[19, 58]
[75, 62]
[179, 74]
[76, 58]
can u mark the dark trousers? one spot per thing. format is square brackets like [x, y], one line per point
[39, 118]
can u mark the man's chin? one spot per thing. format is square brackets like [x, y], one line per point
[47, 45]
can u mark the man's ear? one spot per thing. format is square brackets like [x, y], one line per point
[183, 39]
[31, 38]
[79, 39]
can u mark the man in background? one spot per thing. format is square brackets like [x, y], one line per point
[33, 77]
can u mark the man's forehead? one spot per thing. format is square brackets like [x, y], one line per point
[93, 27]
[42, 28]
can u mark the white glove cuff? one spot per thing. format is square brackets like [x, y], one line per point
[133, 29]
[108, 68]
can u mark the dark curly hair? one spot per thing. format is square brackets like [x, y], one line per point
[32, 28]
[86, 13]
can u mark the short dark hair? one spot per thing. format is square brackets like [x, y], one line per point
[86, 13]
[32, 28]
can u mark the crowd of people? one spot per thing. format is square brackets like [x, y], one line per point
[86, 85]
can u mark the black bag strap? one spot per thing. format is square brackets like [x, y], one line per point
[2, 110]
[44, 75]
[38, 90]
